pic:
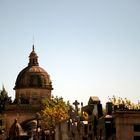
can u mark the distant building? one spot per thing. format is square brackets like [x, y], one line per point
[32, 85]
[116, 123]
[119, 124]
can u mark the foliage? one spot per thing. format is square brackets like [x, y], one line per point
[55, 110]
[4, 99]
[116, 101]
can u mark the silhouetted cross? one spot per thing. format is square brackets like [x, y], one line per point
[76, 103]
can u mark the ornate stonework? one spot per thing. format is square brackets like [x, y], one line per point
[33, 82]
[32, 85]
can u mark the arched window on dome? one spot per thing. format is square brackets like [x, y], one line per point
[35, 81]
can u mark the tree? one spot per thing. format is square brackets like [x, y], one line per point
[4, 99]
[55, 110]
[117, 101]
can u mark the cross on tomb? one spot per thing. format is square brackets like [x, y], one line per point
[76, 103]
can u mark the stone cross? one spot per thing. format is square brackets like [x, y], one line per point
[76, 103]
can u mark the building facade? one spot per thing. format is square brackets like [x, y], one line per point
[32, 85]
[115, 123]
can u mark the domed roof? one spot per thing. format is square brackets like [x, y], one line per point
[33, 76]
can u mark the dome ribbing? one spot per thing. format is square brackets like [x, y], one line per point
[33, 76]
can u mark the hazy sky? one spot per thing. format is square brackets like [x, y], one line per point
[89, 47]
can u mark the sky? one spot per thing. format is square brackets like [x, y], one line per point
[88, 47]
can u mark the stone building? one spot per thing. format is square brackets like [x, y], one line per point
[119, 124]
[115, 123]
[32, 85]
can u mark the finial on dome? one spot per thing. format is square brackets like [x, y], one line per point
[33, 44]
[33, 58]
[33, 48]
[3, 88]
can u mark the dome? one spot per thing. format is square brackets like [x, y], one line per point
[33, 76]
